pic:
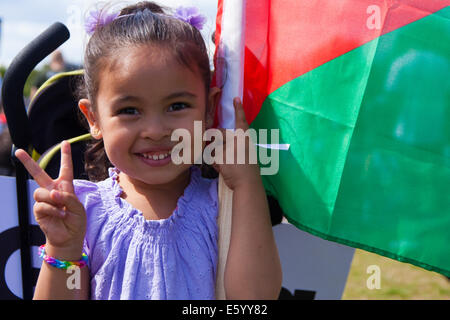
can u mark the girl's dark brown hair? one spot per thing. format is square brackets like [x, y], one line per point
[143, 23]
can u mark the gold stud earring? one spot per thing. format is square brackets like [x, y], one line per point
[95, 132]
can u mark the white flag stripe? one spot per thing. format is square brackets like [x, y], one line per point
[231, 49]
[283, 147]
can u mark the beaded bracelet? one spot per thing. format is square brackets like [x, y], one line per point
[60, 264]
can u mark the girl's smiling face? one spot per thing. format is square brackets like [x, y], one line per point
[143, 96]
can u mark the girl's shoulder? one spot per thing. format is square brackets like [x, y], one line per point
[199, 203]
[198, 208]
[94, 193]
[201, 188]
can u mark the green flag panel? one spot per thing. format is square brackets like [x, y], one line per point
[369, 164]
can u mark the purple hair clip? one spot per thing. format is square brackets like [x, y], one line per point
[98, 19]
[190, 15]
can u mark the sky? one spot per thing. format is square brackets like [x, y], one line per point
[23, 20]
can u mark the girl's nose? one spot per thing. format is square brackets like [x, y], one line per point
[154, 128]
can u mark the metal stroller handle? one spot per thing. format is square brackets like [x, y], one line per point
[16, 76]
[20, 130]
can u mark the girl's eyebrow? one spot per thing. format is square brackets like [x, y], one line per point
[175, 95]
[127, 98]
[180, 94]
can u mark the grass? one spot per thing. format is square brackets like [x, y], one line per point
[399, 281]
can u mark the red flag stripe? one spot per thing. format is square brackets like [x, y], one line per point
[296, 37]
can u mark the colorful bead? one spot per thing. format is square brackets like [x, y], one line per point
[60, 264]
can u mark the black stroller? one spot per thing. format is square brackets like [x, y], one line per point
[51, 118]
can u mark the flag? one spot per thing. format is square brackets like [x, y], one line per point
[360, 91]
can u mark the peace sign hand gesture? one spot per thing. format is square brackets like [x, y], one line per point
[58, 211]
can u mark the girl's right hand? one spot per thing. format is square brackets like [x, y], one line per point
[58, 211]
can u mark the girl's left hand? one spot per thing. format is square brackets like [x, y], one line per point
[253, 268]
[235, 174]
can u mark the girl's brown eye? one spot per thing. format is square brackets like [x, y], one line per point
[178, 106]
[128, 111]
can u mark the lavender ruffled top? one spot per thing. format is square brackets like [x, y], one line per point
[134, 258]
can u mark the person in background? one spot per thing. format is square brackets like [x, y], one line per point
[57, 65]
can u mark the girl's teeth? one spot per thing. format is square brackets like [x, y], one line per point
[155, 157]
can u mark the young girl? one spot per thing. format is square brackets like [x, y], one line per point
[148, 230]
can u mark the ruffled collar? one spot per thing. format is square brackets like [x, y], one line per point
[182, 203]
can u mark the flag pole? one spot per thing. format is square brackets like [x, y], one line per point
[224, 223]
[231, 49]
